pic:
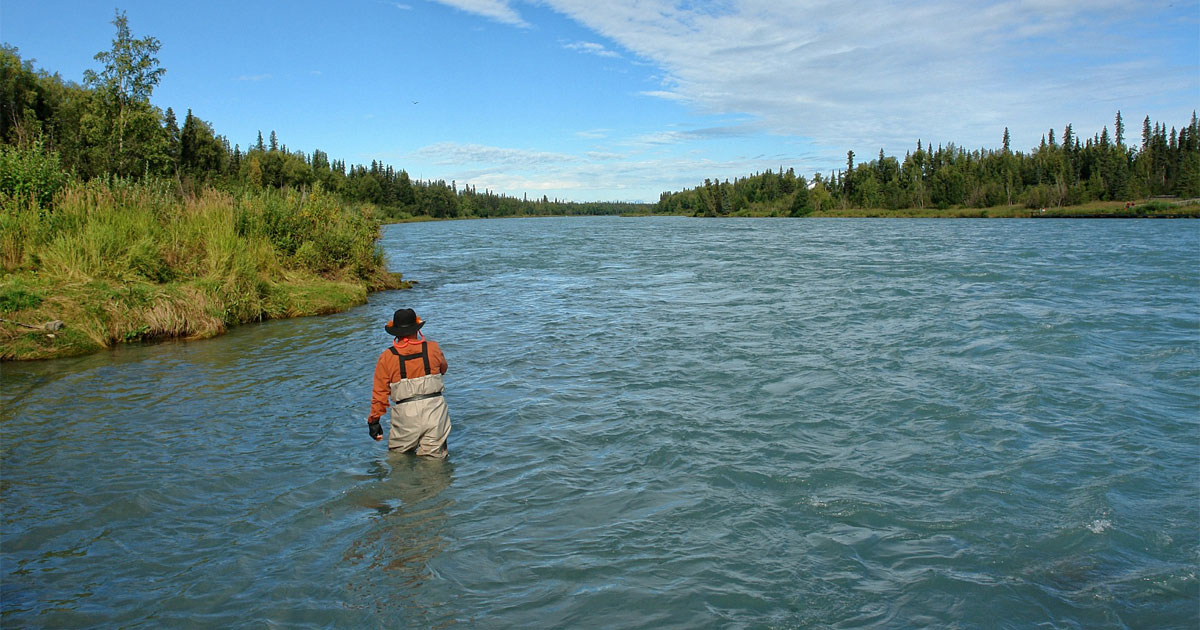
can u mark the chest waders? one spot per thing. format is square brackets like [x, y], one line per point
[420, 418]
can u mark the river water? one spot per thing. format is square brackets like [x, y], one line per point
[658, 423]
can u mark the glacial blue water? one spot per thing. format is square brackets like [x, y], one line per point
[658, 423]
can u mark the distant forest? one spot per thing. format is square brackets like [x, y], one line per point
[1069, 172]
[53, 130]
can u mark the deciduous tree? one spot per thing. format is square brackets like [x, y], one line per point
[121, 122]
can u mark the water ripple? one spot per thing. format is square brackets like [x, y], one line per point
[658, 423]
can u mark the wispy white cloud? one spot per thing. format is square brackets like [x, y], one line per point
[592, 134]
[689, 135]
[604, 156]
[253, 77]
[498, 10]
[464, 155]
[592, 48]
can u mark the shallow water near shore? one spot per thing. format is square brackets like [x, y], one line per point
[658, 423]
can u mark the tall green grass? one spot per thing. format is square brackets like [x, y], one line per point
[121, 261]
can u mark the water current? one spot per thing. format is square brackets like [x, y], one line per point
[658, 423]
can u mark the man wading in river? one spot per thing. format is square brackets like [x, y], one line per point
[409, 376]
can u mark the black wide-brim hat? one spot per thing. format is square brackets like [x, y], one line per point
[404, 323]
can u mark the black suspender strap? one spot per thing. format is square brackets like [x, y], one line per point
[423, 355]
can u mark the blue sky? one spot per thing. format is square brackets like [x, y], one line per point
[624, 99]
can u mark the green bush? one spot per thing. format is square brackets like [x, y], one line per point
[30, 175]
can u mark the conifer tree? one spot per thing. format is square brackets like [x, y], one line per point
[171, 131]
[847, 184]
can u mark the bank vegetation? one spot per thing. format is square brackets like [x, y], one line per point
[118, 226]
[118, 261]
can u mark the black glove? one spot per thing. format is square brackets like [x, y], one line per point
[375, 430]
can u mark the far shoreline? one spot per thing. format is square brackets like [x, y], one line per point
[1145, 209]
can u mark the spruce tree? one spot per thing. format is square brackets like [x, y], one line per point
[171, 131]
[847, 183]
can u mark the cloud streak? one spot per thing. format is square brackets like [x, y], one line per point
[498, 10]
[461, 155]
[592, 48]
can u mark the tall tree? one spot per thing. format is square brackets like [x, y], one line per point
[171, 131]
[122, 114]
[404, 190]
[847, 184]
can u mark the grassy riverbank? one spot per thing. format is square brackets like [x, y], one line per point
[119, 262]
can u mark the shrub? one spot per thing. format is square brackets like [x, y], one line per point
[30, 175]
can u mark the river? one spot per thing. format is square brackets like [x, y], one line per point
[658, 423]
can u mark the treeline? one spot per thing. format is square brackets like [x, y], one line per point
[108, 128]
[1071, 172]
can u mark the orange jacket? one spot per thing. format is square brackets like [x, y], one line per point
[387, 369]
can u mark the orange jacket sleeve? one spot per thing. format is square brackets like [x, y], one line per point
[385, 375]
[437, 360]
